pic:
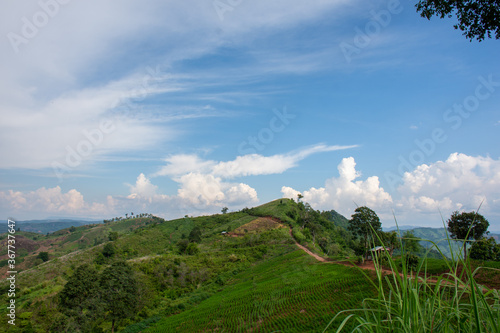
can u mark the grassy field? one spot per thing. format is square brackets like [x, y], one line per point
[289, 293]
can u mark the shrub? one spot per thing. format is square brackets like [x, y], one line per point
[44, 256]
[411, 261]
[298, 235]
[192, 249]
[109, 250]
[182, 246]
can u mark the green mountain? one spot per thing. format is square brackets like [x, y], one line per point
[238, 271]
[46, 226]
[437, 237]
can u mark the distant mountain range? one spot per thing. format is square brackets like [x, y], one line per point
[47, 226]
[438, 236]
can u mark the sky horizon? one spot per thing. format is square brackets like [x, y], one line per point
[182, 108]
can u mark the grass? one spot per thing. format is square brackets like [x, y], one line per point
[289, 293]
[420, 302]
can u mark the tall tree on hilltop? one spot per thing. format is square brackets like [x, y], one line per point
[466, 227]
[476, 18]
[364, 223]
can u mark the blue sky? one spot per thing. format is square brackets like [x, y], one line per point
[179, 108]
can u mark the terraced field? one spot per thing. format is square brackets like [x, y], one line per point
[291, 293]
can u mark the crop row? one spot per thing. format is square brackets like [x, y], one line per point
[298, 303]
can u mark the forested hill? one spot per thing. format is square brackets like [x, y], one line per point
[169, 267]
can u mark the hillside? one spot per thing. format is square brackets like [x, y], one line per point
[187, 264]
[439, 237]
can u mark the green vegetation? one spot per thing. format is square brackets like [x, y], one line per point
[365, 224]
[477, 19]
[289, 293]
[187, 275]
[465, 227]
[411, 299]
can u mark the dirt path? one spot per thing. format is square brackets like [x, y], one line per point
[370, 265]
[310, 253]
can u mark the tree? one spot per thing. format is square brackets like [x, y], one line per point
[119, 292]
[195, 235]
[113, 235]
[299, 196]
[80, 297]
[192, 249]
[364, 223]
[108, 250]
[44, 256]
[224, 210]
[182, 245]
[390, 240]
[411, 244]
[485, 249]
[466, 227]
[476, 18]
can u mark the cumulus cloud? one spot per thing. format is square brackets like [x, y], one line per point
[50, 200]
[143, 188]
[343, 193]
[461, 182]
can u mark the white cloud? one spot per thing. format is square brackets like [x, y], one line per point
[461, 182]
[143, 188]
[344, 193]
[50, 200]
[181, 164]
[77, 67]
[246, 165]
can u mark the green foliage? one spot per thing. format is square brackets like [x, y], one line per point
[192, 249]
[113, 236]
[485, 249]
[454, 302]
[410, 243]
[119, 291]
[182, 245]
[224, 210]
[365, 223]
[108, 250]
[72, 229]
[80, 297]
[44, 256]
[289, 293]
[411, 261]
[100, 258]
[467, 226]
[476, 18]
[195, 235]
[298, 235]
